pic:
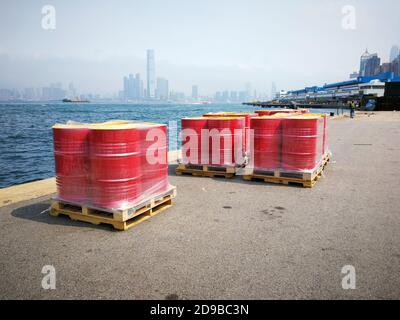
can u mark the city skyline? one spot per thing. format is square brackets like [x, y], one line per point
[195, 43]
[133, 87]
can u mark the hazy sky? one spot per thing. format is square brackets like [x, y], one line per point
[217, 44]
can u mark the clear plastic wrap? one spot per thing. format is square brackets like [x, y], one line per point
[111, 165]
[215, 141]
[246, 115]
[292, 143]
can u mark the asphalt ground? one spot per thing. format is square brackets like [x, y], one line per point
[230, 239]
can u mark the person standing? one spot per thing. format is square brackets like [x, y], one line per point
[352, 109]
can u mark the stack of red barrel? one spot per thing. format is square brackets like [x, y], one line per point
[215, 141]
[288, 142]
[110, 165]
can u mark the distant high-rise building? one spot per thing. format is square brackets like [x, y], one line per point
[396, 66]
[273, 90]
[29, 94]
[71, 90]
[151, 74]
[195, 92]
[394, 53]
[126, 88]
[249, 91]
[234, 96]
[385, 67]
[177, 96]
[354, 75]
[218, 96]
[369, 64]
[5, 94]
[138, 87]
[225, 96]
[133, 87]
[54, 92]
[162, 89]
[363, 63]
[142, 90]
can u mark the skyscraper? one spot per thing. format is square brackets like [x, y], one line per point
[151, 74]
[248, 91]
[273, 90]
[369, 63]
[234, 96]
[195, 92]
[126, 88]
[225, 96]
[138, 88]
[394, 53]
[162, 89]
[396, 66]
[71, 90]
[131, 87]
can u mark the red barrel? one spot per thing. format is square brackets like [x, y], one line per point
[322, 128]
[70, 155]
[193, 152]
[247, 116]
[226, 140]
[275, 111]
[301, 143]
[154, 158]
[115, 165]
[267, 142]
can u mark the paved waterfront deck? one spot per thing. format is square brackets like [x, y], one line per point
[230, 239]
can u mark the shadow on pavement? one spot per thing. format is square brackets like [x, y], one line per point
[238, 179]
[39, 212]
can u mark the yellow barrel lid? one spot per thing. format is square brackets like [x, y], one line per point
[302, 117]
[123, 126]
[70, 126]
[108, 125]
[225, 118]
[265, 117]
[277, 110]
[314, 114]
[195, 118]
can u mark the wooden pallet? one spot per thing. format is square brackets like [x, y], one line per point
[205, 170]
[306, 179]
[120, 219]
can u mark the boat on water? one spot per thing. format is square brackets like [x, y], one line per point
[75, 100]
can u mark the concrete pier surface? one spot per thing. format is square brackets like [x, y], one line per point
[230, 239]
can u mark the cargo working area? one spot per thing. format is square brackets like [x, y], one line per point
[268, 205]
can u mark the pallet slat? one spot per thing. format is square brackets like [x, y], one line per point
[205, 170]
[306, 179]
[119, 219]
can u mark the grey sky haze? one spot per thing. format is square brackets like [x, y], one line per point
[216, 44]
